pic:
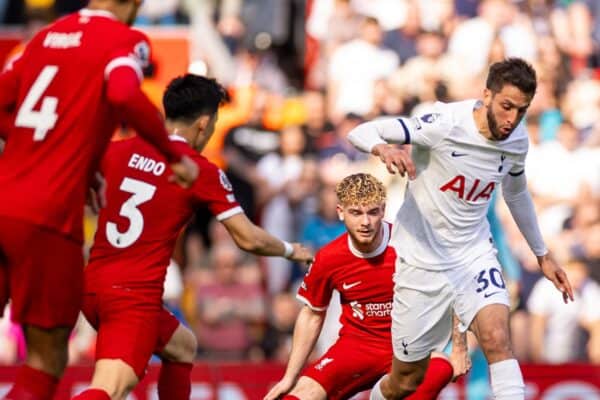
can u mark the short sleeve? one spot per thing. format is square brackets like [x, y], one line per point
[214, 189]
[133, 51]
[315, 290]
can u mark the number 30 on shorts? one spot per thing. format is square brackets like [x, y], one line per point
[487, 276]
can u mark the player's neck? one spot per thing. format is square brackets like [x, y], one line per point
[181, 130]
[480, 117]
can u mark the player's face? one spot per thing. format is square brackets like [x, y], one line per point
[363, 223]
[505, 110]
[205, 126]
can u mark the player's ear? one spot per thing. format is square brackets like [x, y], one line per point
[340, 212]
[487, 97]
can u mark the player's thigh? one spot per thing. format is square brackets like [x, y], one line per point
[127, 327]
[308, 389]
[175, 342]
[477, 286]
[115, 377]
[407, 374]
[45, 272]
[421, 312]
[349, 367]
[491, 327]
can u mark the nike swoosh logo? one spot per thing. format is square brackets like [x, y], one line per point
[490, 294]
[455, 154]
[350, 285]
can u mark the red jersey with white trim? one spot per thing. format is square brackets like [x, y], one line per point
[62, 120]
[144, 214]
[364, 282]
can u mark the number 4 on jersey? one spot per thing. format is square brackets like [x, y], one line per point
[44, 119]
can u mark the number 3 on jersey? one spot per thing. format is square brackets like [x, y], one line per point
[141, 193]
[43, 120]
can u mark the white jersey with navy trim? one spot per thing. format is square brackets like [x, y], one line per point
[442, 223]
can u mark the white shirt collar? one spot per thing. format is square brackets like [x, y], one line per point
[86, 12]
[385, 227]
[177, 138]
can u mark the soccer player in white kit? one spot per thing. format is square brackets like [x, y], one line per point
[446, 260]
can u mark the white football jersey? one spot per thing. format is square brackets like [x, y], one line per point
[442, 223]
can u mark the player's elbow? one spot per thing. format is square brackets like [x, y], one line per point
[118, 97]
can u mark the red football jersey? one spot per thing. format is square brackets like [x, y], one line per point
[364, 282]
[62, 120]
[145, 212]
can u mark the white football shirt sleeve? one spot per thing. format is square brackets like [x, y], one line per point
[425, 130]
[520, 204]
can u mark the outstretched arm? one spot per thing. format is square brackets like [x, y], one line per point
[459, 357]
[306, 332]
[256, 240]
[520, 204]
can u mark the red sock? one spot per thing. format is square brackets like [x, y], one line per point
[289, 397]
[32, 384]
[174, 382]
[92, 394]
[438, 375]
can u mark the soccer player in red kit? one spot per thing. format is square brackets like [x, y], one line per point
[75, 81]
[360, 265]
[136, 235]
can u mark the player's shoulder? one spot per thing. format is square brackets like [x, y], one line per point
[331, 251]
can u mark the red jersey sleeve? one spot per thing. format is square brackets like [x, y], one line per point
[315, 290]
[214, 189]
[123, 74]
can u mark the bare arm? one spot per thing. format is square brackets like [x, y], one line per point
[256, 240]
[459, 358]
[306, 332]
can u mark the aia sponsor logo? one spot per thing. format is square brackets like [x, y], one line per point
[470, 191]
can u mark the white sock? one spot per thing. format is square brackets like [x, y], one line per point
[507, 380]
[376, 391]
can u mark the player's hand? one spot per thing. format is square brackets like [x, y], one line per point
[557, 275]
[301, 254]
[395, 159]
[461, 363]
[97, 193]
[280, 388]
[185, 172]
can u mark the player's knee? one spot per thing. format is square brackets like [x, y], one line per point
[495, 340]
[182, 347]
[47, 349]
[115, 377]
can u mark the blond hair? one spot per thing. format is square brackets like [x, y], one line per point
[360, 189]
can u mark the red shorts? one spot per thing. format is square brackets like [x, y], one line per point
[350, 366]
[131, 324]
[41, 272]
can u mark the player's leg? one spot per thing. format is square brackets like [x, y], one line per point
[41, 302]
[349, 366]
[438, 375]
[306, 389]
[491, 327]
[126, 322]
[177, 347]
[483, 305]
[417, 292]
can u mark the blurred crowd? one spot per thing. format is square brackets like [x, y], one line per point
[303, 73]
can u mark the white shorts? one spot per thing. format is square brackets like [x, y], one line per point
[424, 301]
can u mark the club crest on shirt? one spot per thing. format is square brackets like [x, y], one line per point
[225, 181]
[141, 51]
[430, 118]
